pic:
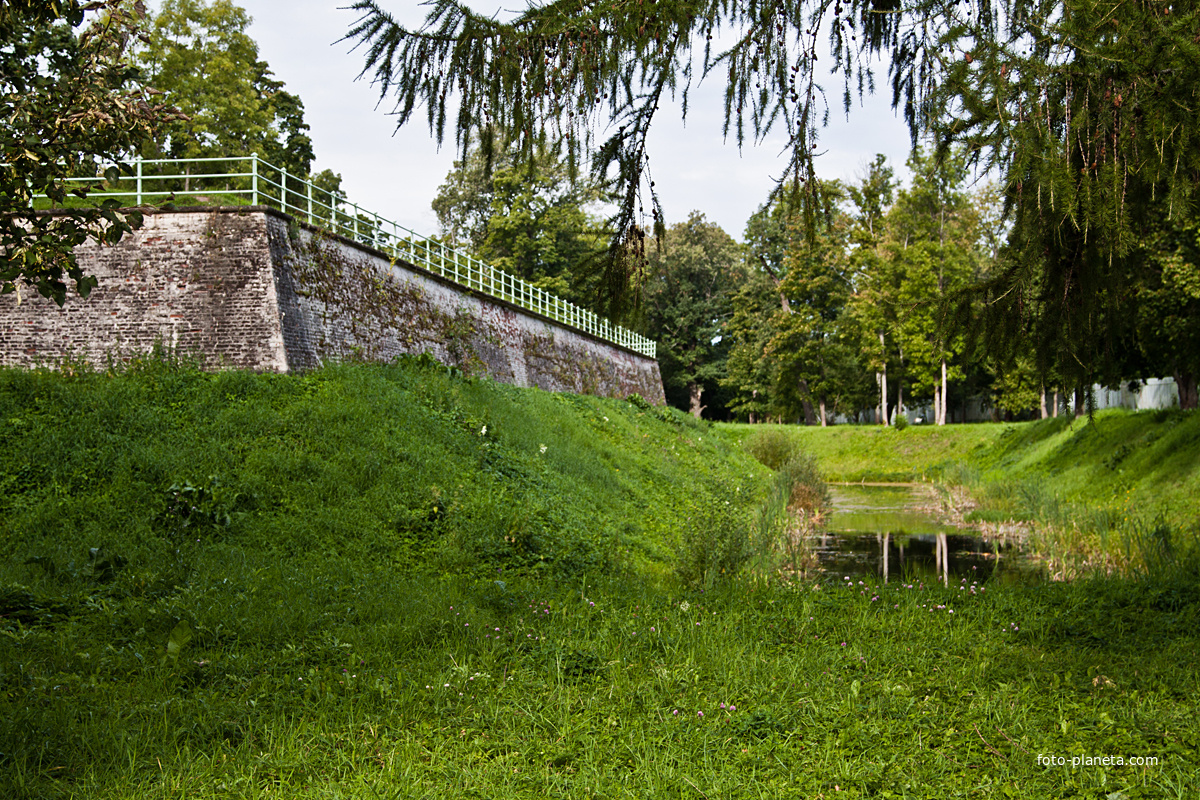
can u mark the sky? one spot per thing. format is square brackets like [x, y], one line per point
[396, 173]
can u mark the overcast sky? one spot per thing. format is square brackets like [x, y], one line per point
[396, 173]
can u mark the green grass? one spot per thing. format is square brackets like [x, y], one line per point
[1148, 461]
[340, 585]
[1112, 493]
[325, 679]
[408, 463]
[852, 453]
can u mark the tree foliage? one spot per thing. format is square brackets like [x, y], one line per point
[687, 307]
[201, 56]
[817, 366]
[528, 220]
[1085, 107]
[72, 103]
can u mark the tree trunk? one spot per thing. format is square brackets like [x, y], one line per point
[810, 418]
[824, 423]
[900, 398]
[1185, 382]
[1054, 411]
[1080, 402]
[695, 390]
[945, 394]
[1045, 411]
[937, 404]
[883, 401]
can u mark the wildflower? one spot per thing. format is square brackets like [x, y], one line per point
[699, 713]
[483, 431]
[675, 713]
[684, 606]
[542, 449]
[733, 708]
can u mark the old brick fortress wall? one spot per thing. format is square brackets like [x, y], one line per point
[251, 288]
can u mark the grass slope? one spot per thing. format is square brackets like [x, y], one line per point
[852, 453]
[1133, 463]
[340, 585]
[405, 464]
[1143, 464]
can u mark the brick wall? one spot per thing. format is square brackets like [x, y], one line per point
[250, 288]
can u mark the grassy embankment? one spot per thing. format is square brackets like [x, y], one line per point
[340, 584]
[1109, 494]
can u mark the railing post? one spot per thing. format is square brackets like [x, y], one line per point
[309, 185]
[139, 179]
[254, 179]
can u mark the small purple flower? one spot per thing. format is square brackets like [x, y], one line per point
[699, 713]
[733, 708]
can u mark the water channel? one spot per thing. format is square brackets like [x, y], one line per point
[882, 531]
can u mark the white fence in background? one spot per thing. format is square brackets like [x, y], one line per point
[254, 181]
[1151, 394]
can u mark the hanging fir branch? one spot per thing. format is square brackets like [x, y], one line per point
[1085, 106]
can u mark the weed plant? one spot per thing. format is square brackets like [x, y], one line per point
[795, 509]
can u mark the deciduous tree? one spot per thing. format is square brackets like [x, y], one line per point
[201, 55]
[72, 104]
[529, 220]
[693, 276]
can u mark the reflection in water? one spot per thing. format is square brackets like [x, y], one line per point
[880, 531]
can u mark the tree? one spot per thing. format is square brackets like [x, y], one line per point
[873, 303]
[1086, 107]
[200, 55]
[816, 364]
[687, 305]
[1168, 306]
[71, 104]
[749, 371]
[530, 221]
[932, 236]
[1089, 114]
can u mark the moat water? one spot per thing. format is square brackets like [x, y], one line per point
[882, 531]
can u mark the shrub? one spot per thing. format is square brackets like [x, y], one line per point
[714, 544]
[794, 508]
[900, 422]
[772, 447]
[807, 489]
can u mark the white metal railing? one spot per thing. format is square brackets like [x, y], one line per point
[260, 183]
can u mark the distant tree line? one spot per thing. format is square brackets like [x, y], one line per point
[869, 299]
